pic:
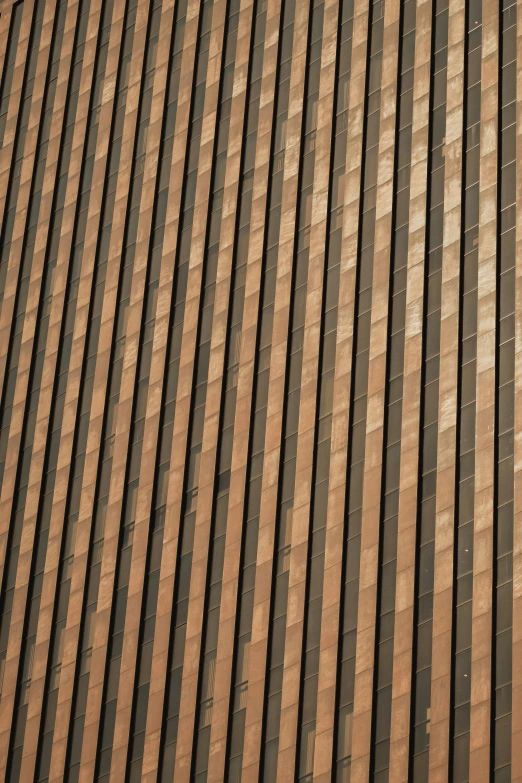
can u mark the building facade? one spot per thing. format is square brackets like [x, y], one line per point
[260, 379]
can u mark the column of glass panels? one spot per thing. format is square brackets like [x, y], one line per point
[254, 476]
[384, 637]
[503, 545]
[7, 81]
[42, 530]
[48, 484]
[463, 589]
[228, 402]
[6, 234]
[86, 394]
[359, 396]
[425, 544]
[283, 534]
[155, 546]
[128, 253]
[184, 558]
[195, 440]
[15, 527]
[122, 571]
[144, 661]
[310, 667]
[33, 391]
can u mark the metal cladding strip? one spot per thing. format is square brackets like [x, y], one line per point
[169, 254]
[120, 449]
[132, 337]
[411, 411]
[29, 333]
[516, 727]
[485, 459]
[78, 579]
[245, 401]
[295, 618]
[82, 545]
[19, 406]
[331, 620]
[187, 375]
[10, 47]
[190, 363]
[141, 530]
[72, 392]
[252, 749]
[18, 250]
[154, 142]
[276, 394]
[13, 268]
[502, 668]
[16, 387]
[373, 465]
[10, 24]
[37, 269]
[187, 379]
[216, 375]
[448, 387]
[7, 149]
[158, 372]
[14, 265]
[6, 14]
[133, 331]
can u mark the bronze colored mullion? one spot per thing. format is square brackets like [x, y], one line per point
[196, 370]
[221, 727]
[503, 665]
[114, 529]
[441, 669]
[467, 407]
[411, 406]
[138, 591]
[17, 419]
[10, 19]
[129, 314]
[273, 725]
[253, 736]
[7, 33]
[424, 535]
[363, 470]
[196, 223]
[328, 714]
[288, 762]
[52, 509]
[482, 612]
[73, 626]
[388, 586]
[13, 114]
[15, 293]
[317, 590]
[160, 411]
[25, 144]
[370, 580]
[229, 301]
[171, 254]
[52, 337]
[516, 727]
[155, 148]
[11, 569]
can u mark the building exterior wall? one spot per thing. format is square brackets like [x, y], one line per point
[260, 391]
